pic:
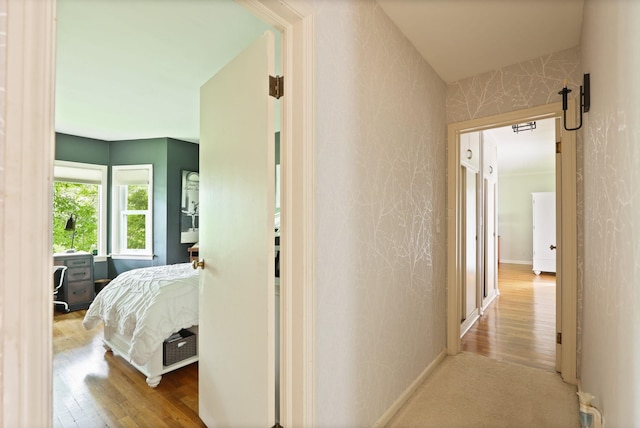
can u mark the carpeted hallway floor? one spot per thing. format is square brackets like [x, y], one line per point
[470, 390]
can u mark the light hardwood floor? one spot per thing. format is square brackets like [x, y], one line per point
[94, 388]
[519, 326]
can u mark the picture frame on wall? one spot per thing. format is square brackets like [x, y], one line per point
[190, 207]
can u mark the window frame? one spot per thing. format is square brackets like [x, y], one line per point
[120, 211]
[102, 194]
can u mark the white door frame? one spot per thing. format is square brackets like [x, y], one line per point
[26, 176]
[455, 270]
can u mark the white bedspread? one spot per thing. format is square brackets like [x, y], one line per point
[147, 304]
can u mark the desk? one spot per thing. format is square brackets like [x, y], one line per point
[78, 289]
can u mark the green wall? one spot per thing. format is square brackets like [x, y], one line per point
[79, 149]
[151, 151]
[168, 157]
[181, 156]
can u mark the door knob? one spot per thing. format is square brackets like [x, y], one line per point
[551, 247]
[198, 264]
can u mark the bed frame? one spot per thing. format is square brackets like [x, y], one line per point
[154, 369]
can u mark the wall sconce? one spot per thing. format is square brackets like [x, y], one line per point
[585, 100]
[529, 126]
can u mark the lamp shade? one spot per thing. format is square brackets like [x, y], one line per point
[71, 223]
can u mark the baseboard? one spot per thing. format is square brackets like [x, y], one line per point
[516, 262]
[404, 397]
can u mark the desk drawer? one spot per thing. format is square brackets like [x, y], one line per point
[80, 292]
[78, 262]
[78, 274]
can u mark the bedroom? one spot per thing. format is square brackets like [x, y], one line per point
[169, 156]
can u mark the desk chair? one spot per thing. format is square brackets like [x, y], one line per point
[58, 280]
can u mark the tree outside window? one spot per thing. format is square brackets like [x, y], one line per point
[132, 205]
[135, 214]
[81, 201]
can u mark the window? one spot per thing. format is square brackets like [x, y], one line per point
[79, 190]
[132, 201]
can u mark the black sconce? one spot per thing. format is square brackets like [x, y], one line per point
[585, 100]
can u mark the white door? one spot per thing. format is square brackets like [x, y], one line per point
[472, 236]
[544, 232]
[490, 247]
[559, 272]
[470, 167]
[237, 169]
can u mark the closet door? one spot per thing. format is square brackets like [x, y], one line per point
[470, 164]
[471, 253]
[490, 213]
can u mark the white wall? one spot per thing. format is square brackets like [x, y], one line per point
[515, 216]
[380, 213]
[611, 324]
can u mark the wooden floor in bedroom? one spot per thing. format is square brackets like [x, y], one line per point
[94, 388]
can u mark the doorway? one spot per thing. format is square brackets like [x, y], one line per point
[567, 262]
[517, 322]
[32, 66]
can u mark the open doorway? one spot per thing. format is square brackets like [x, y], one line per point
[517, 322]
[566, 205]
[58, 398]
[34, 68]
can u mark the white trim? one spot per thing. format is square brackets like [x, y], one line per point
[103, 205]
[26, 183]
[516, 262]
[568, 316]
[118, 213]
[408, 393]
[131, 256]
[297, 241]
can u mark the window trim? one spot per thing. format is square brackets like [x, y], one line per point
[117, 212]
[103, 191]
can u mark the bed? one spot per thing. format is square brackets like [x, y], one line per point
[141, 308]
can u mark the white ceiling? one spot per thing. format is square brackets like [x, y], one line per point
[525, 152]
[462, 38]
[133, 69]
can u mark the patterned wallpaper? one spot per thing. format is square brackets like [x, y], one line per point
[528, 84]
[611, 330]
[381, 268]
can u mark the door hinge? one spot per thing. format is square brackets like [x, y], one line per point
[559, 338]
[559, 147]
[276, 86]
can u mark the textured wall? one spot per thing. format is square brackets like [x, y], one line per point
[527, 84]
[516, 87]
[380, 213]
[611, 328]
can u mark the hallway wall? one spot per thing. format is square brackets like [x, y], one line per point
[380, 212]
[515, 213]
[519, 86]
[515, 87]
[611, 326]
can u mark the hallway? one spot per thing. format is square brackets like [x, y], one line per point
[505, 375]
